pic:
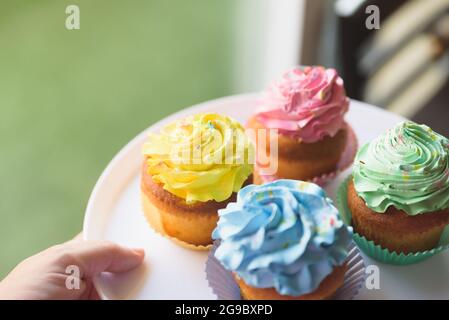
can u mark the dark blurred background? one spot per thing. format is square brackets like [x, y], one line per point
[70, 99]
[403, 66]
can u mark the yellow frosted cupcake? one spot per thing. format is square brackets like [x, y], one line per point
[192, 168]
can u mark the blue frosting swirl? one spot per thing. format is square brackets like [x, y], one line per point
[285, 234]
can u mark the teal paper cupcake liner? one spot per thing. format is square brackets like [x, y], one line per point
[375, 251]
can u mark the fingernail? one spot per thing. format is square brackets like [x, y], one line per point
[139, 251]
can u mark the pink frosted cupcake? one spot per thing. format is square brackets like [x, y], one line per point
[306, 107]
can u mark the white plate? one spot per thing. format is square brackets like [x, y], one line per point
[172, 272]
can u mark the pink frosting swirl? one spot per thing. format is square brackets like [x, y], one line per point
[308, 104]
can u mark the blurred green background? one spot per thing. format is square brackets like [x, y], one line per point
[69, 100]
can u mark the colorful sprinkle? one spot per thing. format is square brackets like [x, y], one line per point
[210, 125]
[406, 167]
[302, 185]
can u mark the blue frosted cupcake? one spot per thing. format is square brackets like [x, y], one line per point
[283, 240]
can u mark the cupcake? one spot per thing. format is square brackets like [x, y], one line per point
[306, 107]
[283, 240]
[399, 194]
[193, 168]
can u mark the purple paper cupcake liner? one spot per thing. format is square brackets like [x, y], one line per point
[224, 286]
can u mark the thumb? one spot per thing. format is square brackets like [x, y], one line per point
[96, 257]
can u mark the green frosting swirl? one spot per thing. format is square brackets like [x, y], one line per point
[406, 167]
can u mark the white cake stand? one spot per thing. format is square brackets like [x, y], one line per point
[172, 272]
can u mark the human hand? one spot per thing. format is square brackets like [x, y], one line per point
[44, 275]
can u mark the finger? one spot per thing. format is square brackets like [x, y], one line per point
[96, 257]
[78, 237]
[87, 286]
[90, 293]
[94, 294]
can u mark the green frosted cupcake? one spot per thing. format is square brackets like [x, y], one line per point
[398, 198]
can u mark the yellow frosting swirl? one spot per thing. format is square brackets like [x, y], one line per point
[200, 158]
